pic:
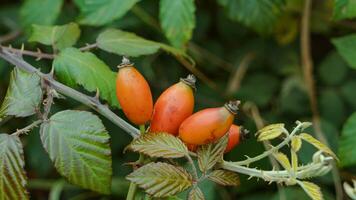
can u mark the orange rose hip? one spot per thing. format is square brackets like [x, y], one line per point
[236, 135]
[208, 125]
[173, 106]
[133, 93]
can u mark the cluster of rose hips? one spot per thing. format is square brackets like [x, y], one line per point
[173, 110]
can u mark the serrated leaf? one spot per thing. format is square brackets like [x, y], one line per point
[346, 46]
[347, 143]
[58, 36]
[270, 132]
[210, 154]
[44, 12]
[83, 68]
[196, 194]
[311, 189]
[161, 179]
[97, 13]
[224, 177]
[283, 160]
[125, 43]
[256, 14]
[23, 95]
[162, 145]
[78, 144]
[317, 144]
[12, 174]
[177, 20]
[344, 9]
[296, 143]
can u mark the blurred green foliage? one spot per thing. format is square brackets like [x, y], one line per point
[221, 34]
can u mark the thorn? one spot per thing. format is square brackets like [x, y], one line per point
[22, 47]
[51, 73]
[250, 177]
[97, 94]
[39, 53]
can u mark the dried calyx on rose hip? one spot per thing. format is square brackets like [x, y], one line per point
[208, 125]
[133, 93]
[173, 106]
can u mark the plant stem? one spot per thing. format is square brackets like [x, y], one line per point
[133, 187]
[27, 128]
[67, 91]
[271, 150]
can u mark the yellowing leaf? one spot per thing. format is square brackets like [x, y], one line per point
[296, 143]
[283, 160]
[224, 177]
[311, 189]
[317, 144]
[270, 132]
[162, 145]
[294, 158]
[161, 179]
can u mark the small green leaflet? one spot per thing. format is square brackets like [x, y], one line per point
[58, 36]
[177, 20]
[83, 68]
[344, 9]
[78, 145]
[346, 46]
[283, 160]
[196, 194]
[12, 174]
[23, 95]
[97, 13]
[161, 179]
[162, 145]
[317, 144]
[44, 12]
[224, 177]
[270, 132]
[256, 14]
[311, 189]
[210, 154]
[347, 141]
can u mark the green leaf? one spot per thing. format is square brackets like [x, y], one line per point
[344, 9]
[101, 12]
[296, 143]
[12, 174]
[332, 106]
[346, 46]
[347, 141]
[311, 189]
[161, 179]
[177, 20]
[196, 194]
[333, 64]
[224, 177]
[256, 14]
[78, 144]
[283, 160]
[43, 12]
[270, 132]
[162, 145]
[23, 95]
[317, 144]
[58, 36]
[210, 154]
[75, 67]
[125, 43]
[348, 92]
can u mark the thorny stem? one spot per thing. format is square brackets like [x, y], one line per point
[67, 91]
[27, 128]
[307, 63]
[273, 149]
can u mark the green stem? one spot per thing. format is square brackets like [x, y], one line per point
[133, 187]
